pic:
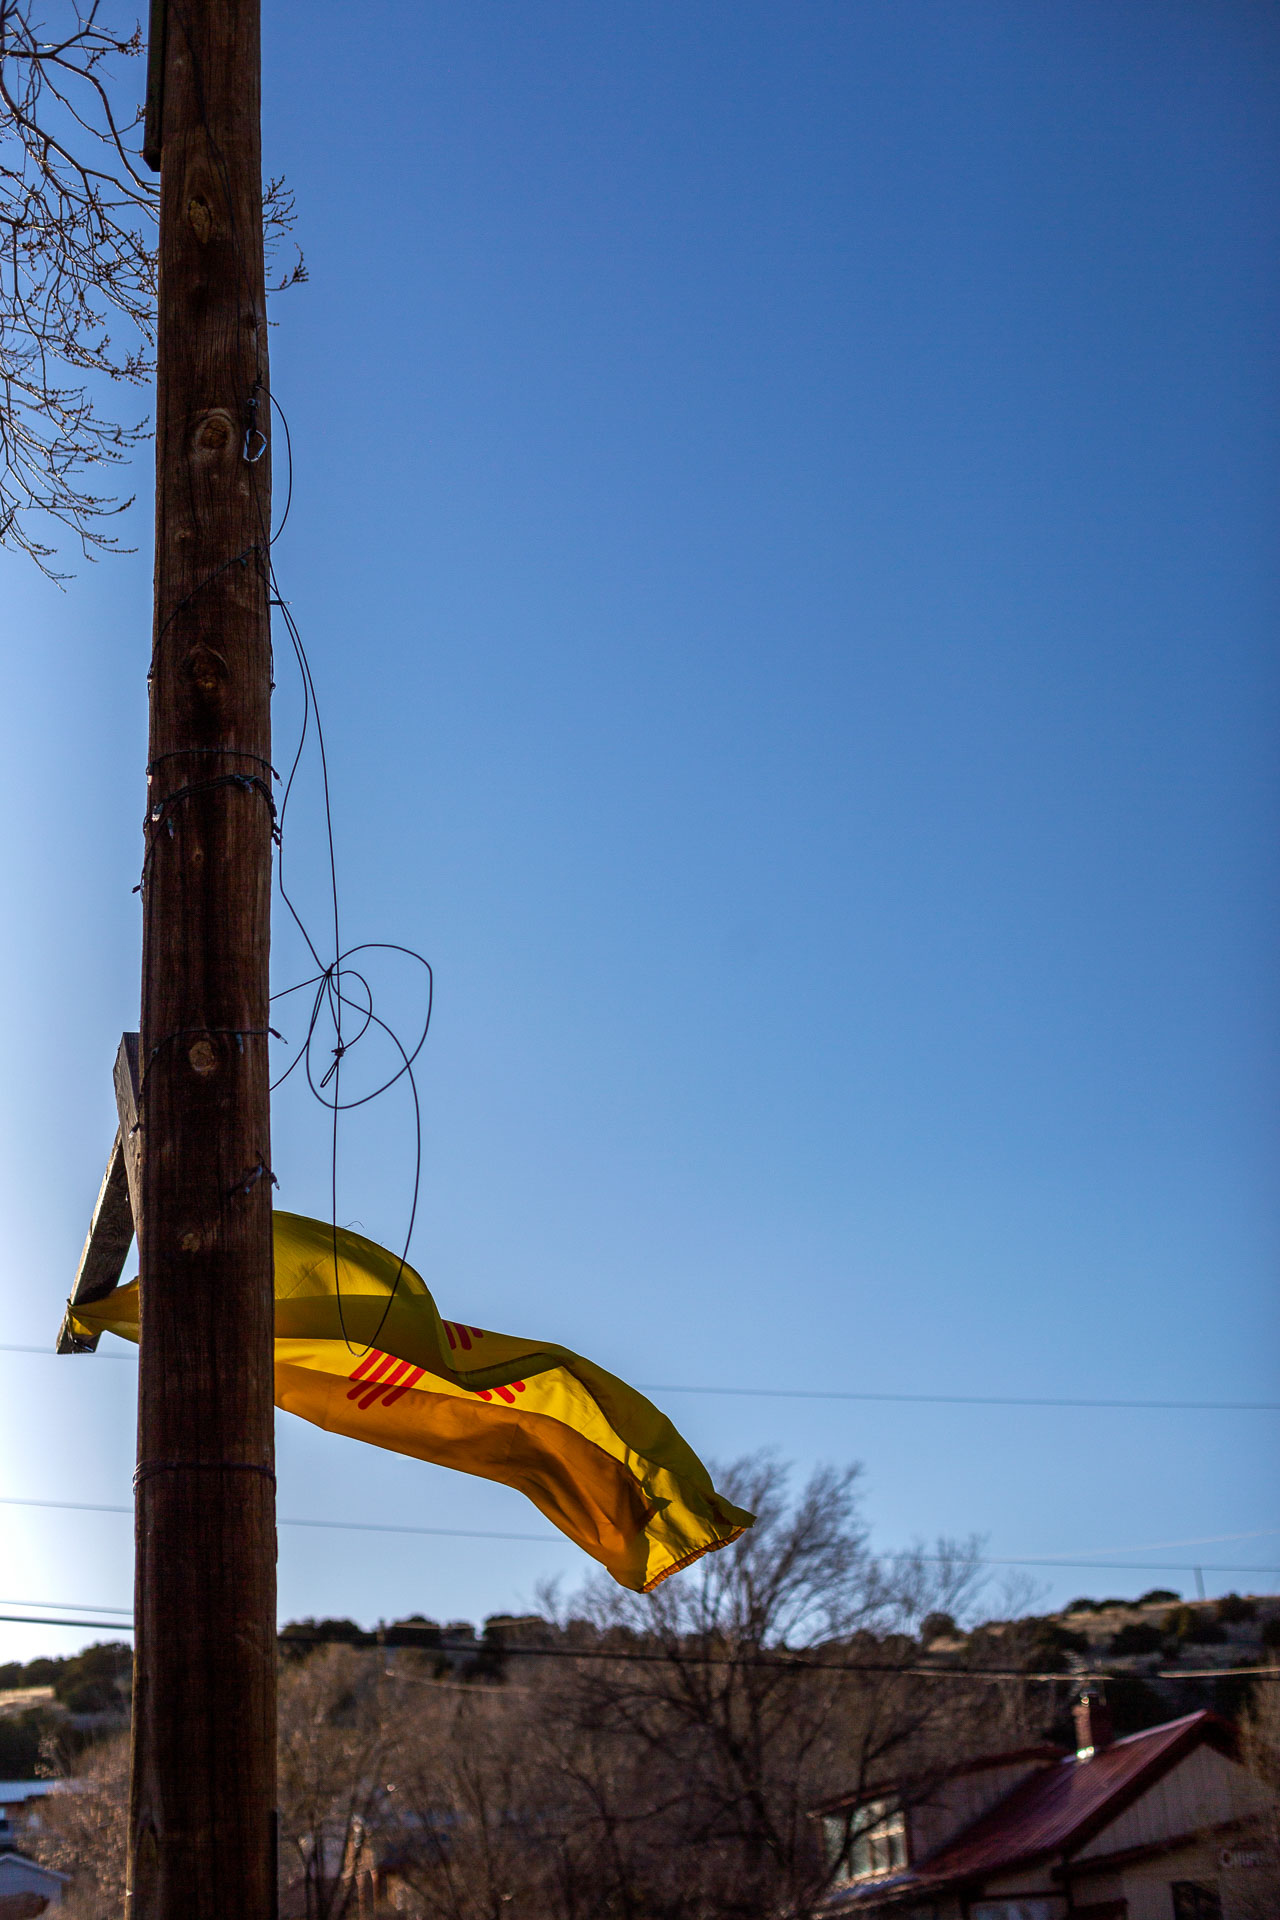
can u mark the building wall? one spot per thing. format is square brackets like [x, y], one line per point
[1201, 1791]
[1148, 1886]
[20, 1876]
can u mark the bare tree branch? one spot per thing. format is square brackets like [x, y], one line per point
[77, 260]
[78, 228]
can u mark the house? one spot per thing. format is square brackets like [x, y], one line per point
[1152, 1827]
[27, 1888]
[20, 1808]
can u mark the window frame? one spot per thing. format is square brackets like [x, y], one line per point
[874, 1842]
[1194, 1900]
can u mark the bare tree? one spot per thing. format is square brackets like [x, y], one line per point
[78, 224]
[77, 229]
[658, 1760]
[336, 1743]
[471, 1840]
[644, 1757]
[84, 1832]
[779, 1677]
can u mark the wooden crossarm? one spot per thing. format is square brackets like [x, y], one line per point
[127, 1083]
[111, 1230]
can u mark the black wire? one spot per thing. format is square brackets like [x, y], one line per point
[973, 1399]
[42, 1620]
[288, 446]
[795, 1665]
[329, 981]
[225, 753]
[910, 1399]
[369, 1016]
[247, 782]
[325, 992]
[240, 559]
[558, 1539]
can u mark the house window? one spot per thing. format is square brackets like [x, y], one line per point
[1192, 1900]
[868, 1843]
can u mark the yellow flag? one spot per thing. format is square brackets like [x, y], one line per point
[593, 1455]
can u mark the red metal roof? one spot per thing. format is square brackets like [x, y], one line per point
[1059, 1804]
[1056, 1808]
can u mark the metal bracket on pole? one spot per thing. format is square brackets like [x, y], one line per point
[111, 1229]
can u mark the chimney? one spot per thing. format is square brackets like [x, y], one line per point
[1092, 1716]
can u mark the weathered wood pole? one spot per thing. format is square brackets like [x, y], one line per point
[203, 1778]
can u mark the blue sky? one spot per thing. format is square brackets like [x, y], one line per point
[784, 532]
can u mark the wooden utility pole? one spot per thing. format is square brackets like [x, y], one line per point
[203, 1781]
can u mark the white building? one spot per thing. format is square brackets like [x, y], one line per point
[1153, 1827]
[25, 1882]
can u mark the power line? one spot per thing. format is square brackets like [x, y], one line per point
[346, 1526]
[47, 1620]
[797, 1664]
[1197, 1540]
[452, 1533]
[978, 1399]
[48, 1353]
[1116, 1566]
[891, 1399]
[67, 1606]
[557, 1539]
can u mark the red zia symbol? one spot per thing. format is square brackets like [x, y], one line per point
[382, 1376]
[459, 1336]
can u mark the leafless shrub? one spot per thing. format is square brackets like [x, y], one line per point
[336, 1740]
[478, 1811]
[83, 1832]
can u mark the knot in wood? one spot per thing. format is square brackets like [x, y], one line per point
[203, 1057]
[205, 667]
[216, 431]
[200, 217]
